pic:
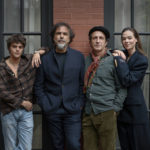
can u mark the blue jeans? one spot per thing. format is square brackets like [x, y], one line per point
[17, 127]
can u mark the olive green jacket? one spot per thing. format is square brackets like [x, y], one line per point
[106, 92]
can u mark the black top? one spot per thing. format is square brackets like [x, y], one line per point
[61, 57]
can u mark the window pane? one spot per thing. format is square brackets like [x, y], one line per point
[142, 15]
[6, 52]
[122, 14]
[118, 44]
[146, 89]
[11, 15]
[32, 15]
[146, 46]
[33, 43]
[37, 132]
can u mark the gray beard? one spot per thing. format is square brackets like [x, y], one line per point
[61, 46]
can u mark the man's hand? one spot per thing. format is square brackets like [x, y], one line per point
[116, 113]
[27, 105]
[119, 53]
[36, 60]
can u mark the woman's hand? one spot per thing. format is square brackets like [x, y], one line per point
[119, 53]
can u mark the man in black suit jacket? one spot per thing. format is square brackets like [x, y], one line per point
[59, 89]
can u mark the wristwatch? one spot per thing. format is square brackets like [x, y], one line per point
[36, 51]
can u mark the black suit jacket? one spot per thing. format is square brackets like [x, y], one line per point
[52, 88]
[131, 75]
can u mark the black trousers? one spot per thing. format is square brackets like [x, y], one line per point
[134, 137]
[64, 129]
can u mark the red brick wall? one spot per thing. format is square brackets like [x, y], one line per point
[81, 15]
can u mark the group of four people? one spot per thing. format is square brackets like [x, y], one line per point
[94, 96]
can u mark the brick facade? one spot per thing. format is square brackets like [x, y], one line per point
[81, 15]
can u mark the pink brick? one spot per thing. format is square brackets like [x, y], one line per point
[82, 15]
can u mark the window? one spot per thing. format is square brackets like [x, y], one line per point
[33, 18]
[23, 17]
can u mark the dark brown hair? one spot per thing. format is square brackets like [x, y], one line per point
[136, 35]
[60, 24]
[16, 38]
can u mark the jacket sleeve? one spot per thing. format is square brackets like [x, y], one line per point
[41, 97]
[46, 49]
[7, 97]
[128, 76]
[121, 93]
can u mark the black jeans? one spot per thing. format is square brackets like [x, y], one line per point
[64, 129]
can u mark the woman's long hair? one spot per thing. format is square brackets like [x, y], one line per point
[136, 35]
